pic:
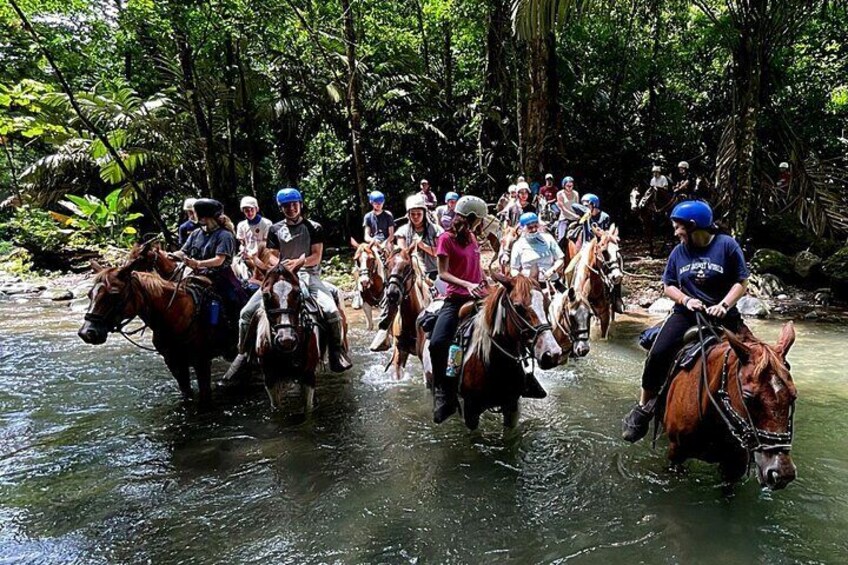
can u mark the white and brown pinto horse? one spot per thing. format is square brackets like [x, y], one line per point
[510, 329]
[370, 278]
[597, 269]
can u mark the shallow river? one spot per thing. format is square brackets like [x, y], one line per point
[101, 462]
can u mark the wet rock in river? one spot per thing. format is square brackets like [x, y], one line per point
[661, 306]
[773, 262]
[57, 294]
[752, 307]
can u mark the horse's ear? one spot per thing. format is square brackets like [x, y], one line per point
[742, 351]
[297, 264]
[354, 243]
[95, 266]
[786, 339]
[534, 272]
[505, 280]
[572, 294]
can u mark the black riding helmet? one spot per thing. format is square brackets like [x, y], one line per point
[208, 208]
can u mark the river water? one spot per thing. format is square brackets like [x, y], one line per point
[103, 463]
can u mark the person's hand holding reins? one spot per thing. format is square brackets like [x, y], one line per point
[694, 305]
[478, 290]
[717, 311]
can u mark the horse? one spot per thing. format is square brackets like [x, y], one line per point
[289, 343]
[736, 408]
[510, 329]
[490, 231]
[570, 315]
[651, 209]
[588, 282]
[510, 236]
[371, 278]
[120, 294]
[407, 295]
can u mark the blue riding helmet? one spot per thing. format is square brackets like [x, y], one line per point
[376, 196]
[528, 218]
[451, 196]
[591, 199]
[566, 180]
[287, 195]
[695, 212]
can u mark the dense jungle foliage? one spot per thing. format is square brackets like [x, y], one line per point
[168, 99]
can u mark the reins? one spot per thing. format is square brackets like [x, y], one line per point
[524, 352]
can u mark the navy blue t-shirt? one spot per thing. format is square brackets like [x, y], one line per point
[202, 245]
[706, 273]
[379, 224]
[185, 230]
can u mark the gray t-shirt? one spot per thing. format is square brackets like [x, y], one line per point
[292, 241]
[379, 224]
[427, 236]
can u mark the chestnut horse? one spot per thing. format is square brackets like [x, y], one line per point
[407, 295]
[288, 338]
[737, 408]
[589, 282]
[510, 329]
[371, 278]
[119, 294]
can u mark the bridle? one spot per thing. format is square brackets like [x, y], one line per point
[116, 324]
[526, 331]
[302, 313]
[742, 428]
[576, 334]
[400, 280]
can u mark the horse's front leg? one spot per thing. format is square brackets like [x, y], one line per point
[203, 370]
[399, 359]
[369, 319]
[180, 369]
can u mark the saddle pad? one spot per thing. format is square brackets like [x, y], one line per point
[690, 353]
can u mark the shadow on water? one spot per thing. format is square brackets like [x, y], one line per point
[102, 462]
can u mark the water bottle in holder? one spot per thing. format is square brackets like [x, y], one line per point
[214, 312]
[454, 361]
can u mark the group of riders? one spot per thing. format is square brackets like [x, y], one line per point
[706, 271]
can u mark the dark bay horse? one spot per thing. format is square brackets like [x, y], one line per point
[740, 409]
[407, 295]
[511, 328]
[184, 340]
[371, 278]
[289, 343]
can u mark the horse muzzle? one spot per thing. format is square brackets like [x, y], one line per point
[92, 334]
[548, 361]
[580, 349]
[775, 470]
[285, 343]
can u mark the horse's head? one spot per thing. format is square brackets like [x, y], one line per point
[284, 305]
[110, 300]
[367, 263]
[634, 198]
[401, 274]
[524, 319]
[610, 256]
[767, 403]
[579, 318]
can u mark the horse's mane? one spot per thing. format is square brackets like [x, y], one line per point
[584, 265]
[366, 248]
[489, 323]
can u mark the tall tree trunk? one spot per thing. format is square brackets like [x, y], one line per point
[13, 171]
[230, 77]
[493, 156]
[254, 144]
[542, 106]
[654, 77]
[425, 49]
[354, 106]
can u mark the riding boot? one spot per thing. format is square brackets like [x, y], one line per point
[635, 424]
[337, 352]
[532, 387]
[444, 400]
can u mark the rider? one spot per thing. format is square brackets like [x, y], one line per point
[706, 272]
[446, 212]
[428, 195]
[658, 180]
[565, 198]
[459, 266]
[378, 224]
[295, 237]
[535, 248]
[419, 229]
[253, 231]
[784, 176]
[506, 201]
[548, 192]
[209, 251]
[190, 224]
[684, 188]
[591, 216]
[522, 205]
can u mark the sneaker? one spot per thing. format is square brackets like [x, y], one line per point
[236, 366]
[635, 425]
[382, 341]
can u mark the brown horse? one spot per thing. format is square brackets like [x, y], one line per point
[510, 329]
[588, 282]
[739, 409]
[288, 338]
[119, 294]
[371, 278]
[407, 295]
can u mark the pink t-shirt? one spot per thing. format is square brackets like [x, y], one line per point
[463, 262]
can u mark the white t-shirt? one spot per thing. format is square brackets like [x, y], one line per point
[253, 235]
[659, 182]
[543, 253]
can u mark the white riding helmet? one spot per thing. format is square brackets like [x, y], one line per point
[784, 165]
[549, 176]
[523, 186]
[512, 189]
[248, 202]
[656, 169]
[188, 204]
[682, 165]
[472, 205]
[415, 201]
